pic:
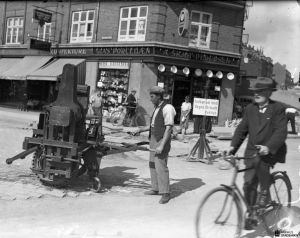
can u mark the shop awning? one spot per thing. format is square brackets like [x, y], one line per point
[51, 71]
[7, 63]
[24, 67]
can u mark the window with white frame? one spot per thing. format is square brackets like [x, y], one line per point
[200, 31]
[14, 30]
[44, 32]
[133, 21]
[82, 26]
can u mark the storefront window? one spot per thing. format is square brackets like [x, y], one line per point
[113, 84]
[133, 22]
[14, 30]
[82, 26]
[200, 31]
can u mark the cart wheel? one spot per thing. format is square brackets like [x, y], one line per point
[96, 184]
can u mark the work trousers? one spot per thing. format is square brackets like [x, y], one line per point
[291, 119]
[159, 171]
[259, 175]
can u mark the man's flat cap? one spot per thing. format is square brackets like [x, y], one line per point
[157, 90]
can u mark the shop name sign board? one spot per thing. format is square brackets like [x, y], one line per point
[113, 65]
[42, 16]
[205, 107]
[183, 22]
[150, 51]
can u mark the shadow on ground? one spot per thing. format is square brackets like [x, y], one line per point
[185, 185]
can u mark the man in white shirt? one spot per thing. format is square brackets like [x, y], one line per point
[291, 114]
[161, 124]
[186, 108]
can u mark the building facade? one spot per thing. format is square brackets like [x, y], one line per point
[282, 76]
[120, 45]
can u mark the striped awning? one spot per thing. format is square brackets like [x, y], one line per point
[7, 63]
[51, 71]
[19, 70]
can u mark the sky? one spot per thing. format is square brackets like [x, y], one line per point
[275, 26]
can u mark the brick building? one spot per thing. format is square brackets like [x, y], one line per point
[120, 45]
[282, 76]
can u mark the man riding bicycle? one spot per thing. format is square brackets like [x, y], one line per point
[265, 122]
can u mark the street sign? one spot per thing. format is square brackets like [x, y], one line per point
[183, 22]
[205, 107]
[42, 16]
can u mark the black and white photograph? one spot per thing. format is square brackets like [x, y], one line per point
[143, 119]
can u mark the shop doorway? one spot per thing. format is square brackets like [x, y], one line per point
[181, 89]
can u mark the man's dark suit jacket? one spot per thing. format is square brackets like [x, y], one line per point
[268, 128]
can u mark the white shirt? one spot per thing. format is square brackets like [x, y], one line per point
[168, 114]
[290, 110]
[186, 106]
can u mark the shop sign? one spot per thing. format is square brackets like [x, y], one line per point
[113, 65]
[205, 107]
[40, 45]
[42, 16]
[183, 22]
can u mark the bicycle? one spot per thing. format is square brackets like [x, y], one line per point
[220, 213]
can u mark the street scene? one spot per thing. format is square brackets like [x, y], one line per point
[149, 119]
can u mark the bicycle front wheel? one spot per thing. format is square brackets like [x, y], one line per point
[276, 216]
[219, 215]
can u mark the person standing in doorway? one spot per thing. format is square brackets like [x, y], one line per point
[96, 103]
[186, 108]
[161, 124]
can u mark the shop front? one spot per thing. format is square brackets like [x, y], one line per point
[181, 71]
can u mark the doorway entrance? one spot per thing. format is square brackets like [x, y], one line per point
[181, 89]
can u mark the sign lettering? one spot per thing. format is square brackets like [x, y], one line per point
[205, 107]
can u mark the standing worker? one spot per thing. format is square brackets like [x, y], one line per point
[96, 103]
[264, 121]
[186, 108]
[291, 114]
[161, 124]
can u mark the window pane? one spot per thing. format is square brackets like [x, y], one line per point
[143, 11]
[91, 15]
[76, 16]
[204, 33]
[14, 35]
[21, 21]
[206, 18]
[74, 30]
[125, 12]
[8, 38]
[83, 16]
[16, 21]
[132, 27]
[9, 22]
[82, 29]
[141, 27]
[134, 12]
[194, 30]
[123, 25]
[89, 29]
[195, 17]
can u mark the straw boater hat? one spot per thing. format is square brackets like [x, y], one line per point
[263, 83]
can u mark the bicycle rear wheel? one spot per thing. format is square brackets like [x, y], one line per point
[276, 216]
[219, 215]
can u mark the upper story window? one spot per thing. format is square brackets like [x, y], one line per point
[133, 21]
[44, 32]
[14, 30]
[201, 24]
[82, 26]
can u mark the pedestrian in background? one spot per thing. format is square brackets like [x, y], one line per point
[96, 103]
[161, 124]
[264, 121]
[131, 103]
[186, 108]
[291, 114]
